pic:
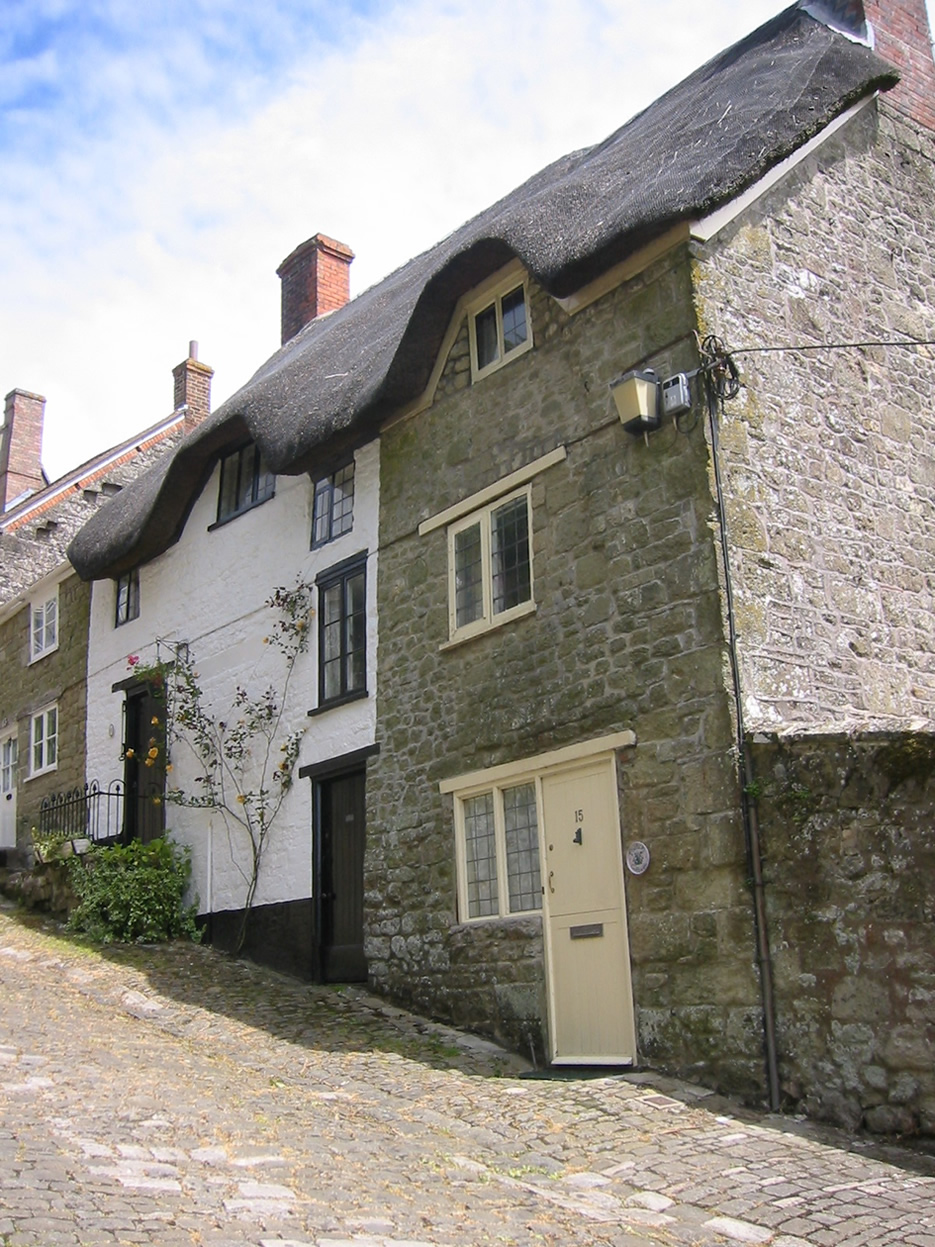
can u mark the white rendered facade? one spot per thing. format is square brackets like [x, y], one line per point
[208, 590]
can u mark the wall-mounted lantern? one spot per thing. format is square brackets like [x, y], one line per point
[637, 397]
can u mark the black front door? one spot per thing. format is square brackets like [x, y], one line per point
[339, 882]
[144, 766]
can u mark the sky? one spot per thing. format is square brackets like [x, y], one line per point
[158, 161]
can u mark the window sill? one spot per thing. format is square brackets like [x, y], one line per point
[53, 649]
[46, 770]
[357, 695]
[478, 373]
[466, 924]
[235, 515]
[508, 617]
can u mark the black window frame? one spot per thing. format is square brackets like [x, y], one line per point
[323, 506]
[254, 484]
[127, 597]
[340, 576]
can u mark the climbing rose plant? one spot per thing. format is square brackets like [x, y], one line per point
[245, 757]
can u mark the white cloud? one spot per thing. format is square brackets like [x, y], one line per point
[166, 219]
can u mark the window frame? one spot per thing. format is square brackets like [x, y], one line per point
[41, 605]
[493, 297]
[341, 574]
[323, 487]
[131, 609]
[488, 619]
[496, 791]
[43, 741]
[262, 487]
[9, 760]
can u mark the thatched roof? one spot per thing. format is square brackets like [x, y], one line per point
[696, 147]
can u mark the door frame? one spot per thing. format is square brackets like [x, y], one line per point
[583, 755]
[321, 773]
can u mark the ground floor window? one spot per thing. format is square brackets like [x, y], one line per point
[44, 735]
[499, 852]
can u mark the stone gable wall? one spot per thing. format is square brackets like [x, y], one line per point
[626, 634]
[829, 456]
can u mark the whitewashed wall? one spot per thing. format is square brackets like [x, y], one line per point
[209, 590]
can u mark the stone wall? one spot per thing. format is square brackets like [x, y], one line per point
[829, 455]
[626, 635]
[849, 849]
[58, 677]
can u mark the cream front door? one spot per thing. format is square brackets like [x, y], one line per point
[8, 792]
[590, 995]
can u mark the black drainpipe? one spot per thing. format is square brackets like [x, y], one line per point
[748, 809]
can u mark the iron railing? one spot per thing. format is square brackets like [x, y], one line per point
[103, 815]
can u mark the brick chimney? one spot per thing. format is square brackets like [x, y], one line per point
[192, 388]
[21, 446]
[899, 32]
[316, 278]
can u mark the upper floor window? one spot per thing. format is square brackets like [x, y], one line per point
[489, 566]
[333, 512]
[245, 482]
[128, 597]
[43, 626]
[342, 632]
[44, 741]
[499, 327]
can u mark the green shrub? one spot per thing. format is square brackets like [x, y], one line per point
[133, 892]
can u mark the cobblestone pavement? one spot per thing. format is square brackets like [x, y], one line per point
[173, 1096]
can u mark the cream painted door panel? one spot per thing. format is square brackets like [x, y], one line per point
[8, 792]
[590, 995]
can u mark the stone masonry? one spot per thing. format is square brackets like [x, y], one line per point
[626, 634]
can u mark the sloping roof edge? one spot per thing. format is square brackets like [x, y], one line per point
[691, 151]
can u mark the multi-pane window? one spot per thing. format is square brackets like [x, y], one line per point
[500, 330]
[245, 482]
[128, 597]
[342, 632]
[8, 750]
[333, 512]
[490, 566]
[44, 741]
[499, 834]
[43, 626]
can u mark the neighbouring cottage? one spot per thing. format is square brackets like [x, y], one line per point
[44, 606]
[642, 768]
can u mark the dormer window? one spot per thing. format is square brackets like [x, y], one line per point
[499, 326]
[246, 481]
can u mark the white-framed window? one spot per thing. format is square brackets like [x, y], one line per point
[43, 741]
[490, 566]
[8, 752]
[43, 626]
[498, 852]
[499, 326]
[333, 509]
[128, 597]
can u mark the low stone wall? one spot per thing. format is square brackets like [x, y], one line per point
[849, 843]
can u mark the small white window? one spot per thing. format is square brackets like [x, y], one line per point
[490, 566]
[44, 741]
[498, 852]
[7, 766]
[128, 597]
[500, 328]
[43, 626]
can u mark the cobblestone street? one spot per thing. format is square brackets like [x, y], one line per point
[173, 1096]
